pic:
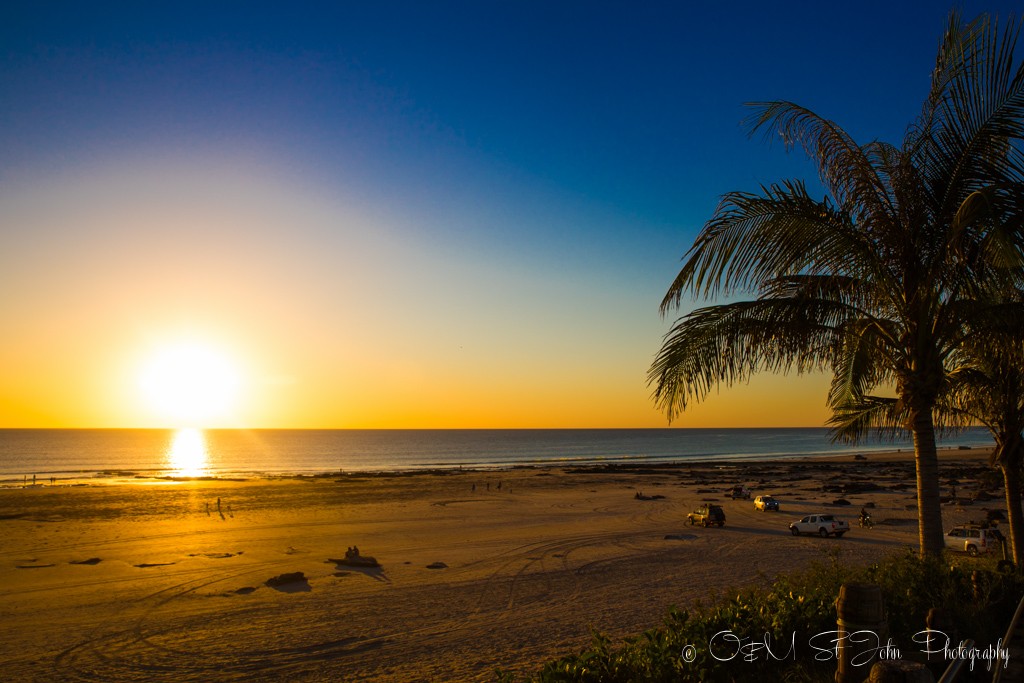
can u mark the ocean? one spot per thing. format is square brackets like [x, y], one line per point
[76, 454]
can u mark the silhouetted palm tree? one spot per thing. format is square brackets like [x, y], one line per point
[986, 387]
[990, 390]
[880, 280]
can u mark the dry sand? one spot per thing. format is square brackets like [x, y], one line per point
[135, 581]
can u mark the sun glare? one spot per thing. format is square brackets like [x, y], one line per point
[187, 455]
[190, 385]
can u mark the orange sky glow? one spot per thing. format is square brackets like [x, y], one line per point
[439, 217]
[318, 337]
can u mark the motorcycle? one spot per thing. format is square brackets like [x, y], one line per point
[865, 521]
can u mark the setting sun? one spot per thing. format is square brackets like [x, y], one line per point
[190, 384]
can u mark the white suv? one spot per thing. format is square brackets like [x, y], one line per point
[973, 540]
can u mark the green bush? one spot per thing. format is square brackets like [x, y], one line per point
[691, 647]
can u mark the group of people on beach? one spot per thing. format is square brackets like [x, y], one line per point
[498, 487]
[220, 510]
[53, 481]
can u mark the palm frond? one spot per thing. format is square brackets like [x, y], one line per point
[755, 238]
[845, 168]
[729, 343]
[862, 361]
[988, 385]
[868, 416]
[977, 322]
[984, 247]
[971, 138]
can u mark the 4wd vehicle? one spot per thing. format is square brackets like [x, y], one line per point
[707, 514]
[822, 525]
[740, 491]
[766, 503]
[971, 539]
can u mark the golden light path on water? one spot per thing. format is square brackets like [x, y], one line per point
[187, 455]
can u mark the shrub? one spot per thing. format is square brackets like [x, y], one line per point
[704, 644]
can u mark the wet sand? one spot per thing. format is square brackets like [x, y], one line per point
[146, 580]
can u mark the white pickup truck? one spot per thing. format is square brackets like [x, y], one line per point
[822, 525]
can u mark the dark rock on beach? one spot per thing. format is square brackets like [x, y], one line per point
[286, 579]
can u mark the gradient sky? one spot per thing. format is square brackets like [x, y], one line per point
[422, 214]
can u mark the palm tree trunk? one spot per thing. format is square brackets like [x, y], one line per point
[1008, 453]
[929, 507]
[1011, 480]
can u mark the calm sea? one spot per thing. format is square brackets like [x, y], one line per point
[84, 453]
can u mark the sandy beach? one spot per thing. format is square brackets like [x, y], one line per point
[147, 580]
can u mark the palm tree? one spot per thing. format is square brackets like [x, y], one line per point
[985, 387]
[879, 281]
[989, 389]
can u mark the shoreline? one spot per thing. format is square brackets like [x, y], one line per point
[82, 454]
[112, 477]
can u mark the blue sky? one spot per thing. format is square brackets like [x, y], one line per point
[519, 177]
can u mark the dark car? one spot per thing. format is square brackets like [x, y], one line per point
[740, 491]
[707, 514]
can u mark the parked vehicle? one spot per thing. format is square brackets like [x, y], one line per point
[706, 515]
[973, 540]
[739, 491]
[822, 525]
[766, 503]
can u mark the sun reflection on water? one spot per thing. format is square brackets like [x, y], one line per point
[187, 455]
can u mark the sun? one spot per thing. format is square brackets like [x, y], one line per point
[190, 384]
